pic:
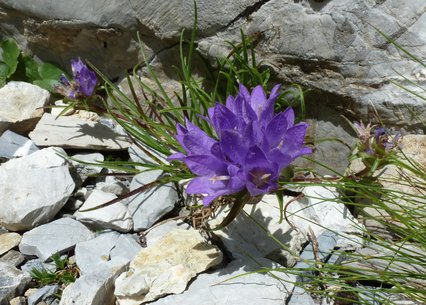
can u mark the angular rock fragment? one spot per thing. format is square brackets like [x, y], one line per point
[71, 132]
[12, 282]
[166, 267]
[149, 206]
[8, 241]
[58, 236]
[38, 185]
[13, 145]
[21, 106]
[115, 216]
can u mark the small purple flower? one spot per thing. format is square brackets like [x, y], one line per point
[83, 84]
[253, 146]
[84, 77]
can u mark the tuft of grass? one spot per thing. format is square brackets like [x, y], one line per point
[65, 273]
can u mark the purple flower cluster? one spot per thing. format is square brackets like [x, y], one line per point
[84, 82]
[254, 145]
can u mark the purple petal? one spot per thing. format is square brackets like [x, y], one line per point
[268, 112]
[258, 100]
[281, 159]
[276, 129]
[196, 141]
[176, 156]
[244, 93]
[289, 113]
[205, 165]
[294, 138]
[222, 118]
[233, 146]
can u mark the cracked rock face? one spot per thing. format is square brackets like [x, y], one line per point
[330, 47]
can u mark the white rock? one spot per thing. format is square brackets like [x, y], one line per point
[58, 236]
[105, 251]
[249, 232]
[71, 132]
[94, 254]
[166, 267]
[149, 206]
[12, 282]
[38, 185]
[113, 185]
[43, 293]
[8, 241]
[321, 210]
[92, 289]
[115, 216]
[85, 170]
[138, 155]
[21, 105]
[126, 247]
[158, 232]
[82, 114]
[13, 145]
[219, 287]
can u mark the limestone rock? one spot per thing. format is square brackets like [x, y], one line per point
[113, 185]
[8, 241]
[70, 132]
[58, 236]
[92, 289]
[115, 216]
[166, 267]
[21, 106]
[159, 231]
[42, 294]
[246, 234]
[44, 186]
[100, 252]
[12, 257]
[147, 207]
[338, 54]
[218, 287]
[85, 170]
[13, 145]
[126, 246]
[12, 283]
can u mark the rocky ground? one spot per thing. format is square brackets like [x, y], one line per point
[141, 249]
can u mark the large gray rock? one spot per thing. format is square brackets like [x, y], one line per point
[21, 106]
[333, 48]
[104, 32]
[12, 282]
[44, 185]
[149, 206]
[58, 236]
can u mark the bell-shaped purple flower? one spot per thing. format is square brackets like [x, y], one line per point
[83, 83]
[253, 146]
